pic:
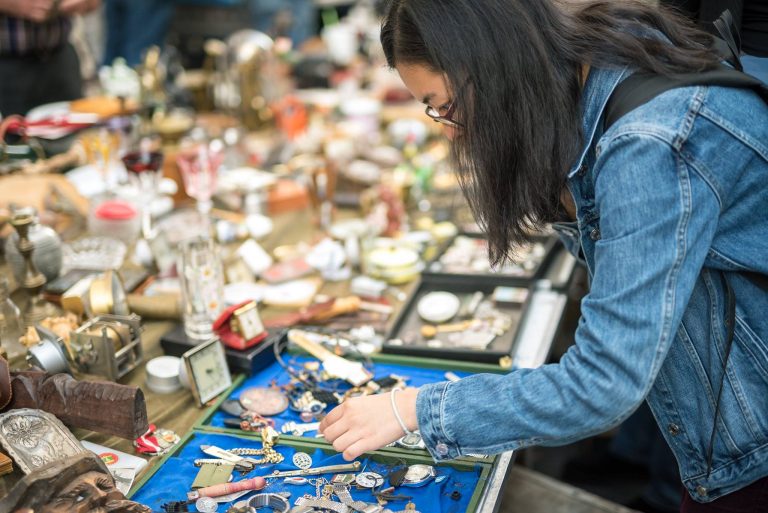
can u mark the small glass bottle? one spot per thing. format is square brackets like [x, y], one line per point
[11, 324]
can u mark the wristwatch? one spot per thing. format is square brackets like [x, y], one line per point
[411, 441]
[369, 480]
[277, 502]
[418, 475]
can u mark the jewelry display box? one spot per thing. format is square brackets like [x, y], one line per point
[407, 336]
[453, 486]
[289, 423]
[464, 257]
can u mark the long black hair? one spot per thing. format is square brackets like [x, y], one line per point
[514, 70]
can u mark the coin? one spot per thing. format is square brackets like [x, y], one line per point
[264, 401]
[206, 505]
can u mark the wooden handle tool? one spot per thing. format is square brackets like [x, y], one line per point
[430, 331]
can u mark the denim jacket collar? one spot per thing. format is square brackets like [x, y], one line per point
[598, 88]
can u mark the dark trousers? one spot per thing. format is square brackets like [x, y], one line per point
[750, 499]
[35, 79]
[135, 25]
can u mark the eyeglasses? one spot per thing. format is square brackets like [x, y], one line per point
[446, 119]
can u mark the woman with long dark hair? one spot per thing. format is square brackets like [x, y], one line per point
[668, 207]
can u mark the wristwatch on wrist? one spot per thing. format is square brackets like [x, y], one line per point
[411, 441]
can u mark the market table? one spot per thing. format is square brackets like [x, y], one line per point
[178, 412]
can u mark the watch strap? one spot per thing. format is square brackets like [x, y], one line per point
[336, 507]
[342, 492]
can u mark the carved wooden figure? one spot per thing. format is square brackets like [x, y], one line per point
[106, 407]
[80, 484]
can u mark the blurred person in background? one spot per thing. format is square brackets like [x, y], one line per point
[285, 18]
[135, 25]
[38, 64]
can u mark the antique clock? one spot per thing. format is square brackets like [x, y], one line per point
[240, 327]
[204, 368]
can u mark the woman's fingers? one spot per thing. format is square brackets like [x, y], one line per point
[332, 417]
[346, 440]
[363, 424]
[333, 431]
[358, 448]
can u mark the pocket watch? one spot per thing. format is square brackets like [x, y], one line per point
[369, 480]
[264, 401]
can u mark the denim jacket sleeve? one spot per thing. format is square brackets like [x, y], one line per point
[657, 220]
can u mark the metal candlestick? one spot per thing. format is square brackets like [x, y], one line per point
[37, 308]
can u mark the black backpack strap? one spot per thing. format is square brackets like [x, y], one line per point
[729, 43]
[640, 88]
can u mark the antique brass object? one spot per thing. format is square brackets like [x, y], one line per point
[108, 345]
[107, 295]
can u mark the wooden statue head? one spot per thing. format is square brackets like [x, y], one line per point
[80, 484]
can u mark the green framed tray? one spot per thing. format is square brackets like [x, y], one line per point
[204, 421]
[203, 425]
[482, 469]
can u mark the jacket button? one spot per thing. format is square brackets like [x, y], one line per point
[582, 170]
[701, 491]
[673, 429]
[441, 449]
[595, 234]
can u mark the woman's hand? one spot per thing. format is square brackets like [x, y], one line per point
[363, 424]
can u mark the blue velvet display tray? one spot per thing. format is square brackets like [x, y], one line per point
[276, 374]
[172, 480]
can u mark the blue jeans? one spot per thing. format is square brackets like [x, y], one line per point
[135, 25]
[756, 66]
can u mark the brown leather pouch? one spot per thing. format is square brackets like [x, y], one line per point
[5, 384]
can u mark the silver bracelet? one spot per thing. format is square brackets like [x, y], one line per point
[277, 502]
[397, 414]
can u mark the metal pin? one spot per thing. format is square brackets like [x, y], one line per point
[348, 467]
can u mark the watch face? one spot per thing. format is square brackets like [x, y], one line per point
[411, 441]
[369, 479]
[417, 475]
[264, 401]
[209, 374]
[249, 322]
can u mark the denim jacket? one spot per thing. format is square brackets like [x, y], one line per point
[671, 194]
